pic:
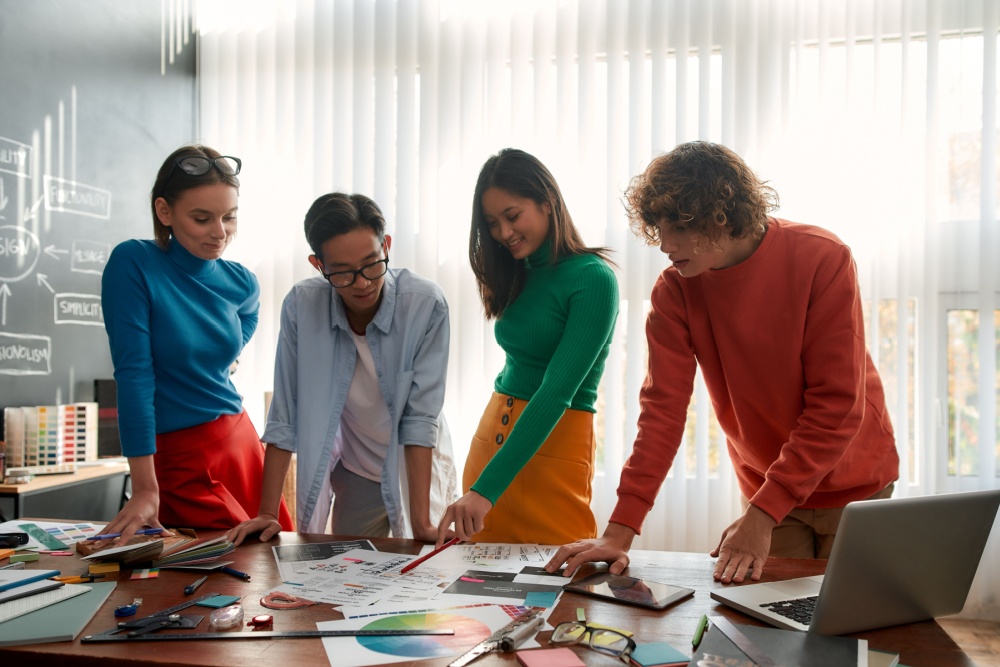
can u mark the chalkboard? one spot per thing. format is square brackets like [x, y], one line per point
[93, 96]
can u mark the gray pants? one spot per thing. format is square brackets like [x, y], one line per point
[357, 505]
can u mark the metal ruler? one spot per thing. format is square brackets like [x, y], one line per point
[261, 634]
[492, 643]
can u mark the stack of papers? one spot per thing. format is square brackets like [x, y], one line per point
[201, 551]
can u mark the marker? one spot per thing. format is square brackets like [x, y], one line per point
[409, 566]
[236, 573]
[699, 631]
[518, 635]
[188, 590]
[144, 531]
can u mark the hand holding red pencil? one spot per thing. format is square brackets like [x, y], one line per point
[409, 566]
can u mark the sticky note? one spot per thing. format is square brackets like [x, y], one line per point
[549, 657]
[657, 653]
[219, 601]
[148, 573]
[540, 599]
[6, 552]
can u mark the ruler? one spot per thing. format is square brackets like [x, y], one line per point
[492, 643]
[261, 634]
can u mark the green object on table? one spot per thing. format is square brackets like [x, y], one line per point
[24, 558]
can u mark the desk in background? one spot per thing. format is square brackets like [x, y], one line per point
[92, 493]
[919, 644]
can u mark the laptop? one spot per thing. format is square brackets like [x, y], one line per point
[894, 561]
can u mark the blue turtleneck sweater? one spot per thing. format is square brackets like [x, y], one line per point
[175, 323]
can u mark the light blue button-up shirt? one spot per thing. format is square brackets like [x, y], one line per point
[313, 369]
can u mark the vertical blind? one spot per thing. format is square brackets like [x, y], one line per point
[876, 119]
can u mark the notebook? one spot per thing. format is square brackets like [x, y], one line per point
[894, 561]
[59, 622]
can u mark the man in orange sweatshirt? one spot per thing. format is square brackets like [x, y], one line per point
[771, 312]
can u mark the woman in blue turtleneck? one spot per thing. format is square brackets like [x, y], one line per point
[177, 317]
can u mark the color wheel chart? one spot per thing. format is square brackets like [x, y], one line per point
[468, 632]
[471, 624]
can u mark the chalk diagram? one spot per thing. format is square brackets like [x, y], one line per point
[21, 249]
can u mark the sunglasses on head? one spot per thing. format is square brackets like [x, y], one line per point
[199, 165]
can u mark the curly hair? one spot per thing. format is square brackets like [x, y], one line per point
[704, 186]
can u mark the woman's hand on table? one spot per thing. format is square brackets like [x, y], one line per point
[265, 524]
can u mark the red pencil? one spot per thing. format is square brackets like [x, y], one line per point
[409, 566]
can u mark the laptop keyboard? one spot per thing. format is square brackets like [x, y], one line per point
[799, 610]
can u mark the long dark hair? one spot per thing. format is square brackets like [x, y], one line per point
[500, 276]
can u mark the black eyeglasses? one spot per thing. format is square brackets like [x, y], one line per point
[604, 640]
[199, 165]
[372, 271]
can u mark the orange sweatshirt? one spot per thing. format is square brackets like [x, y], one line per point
[780, 341]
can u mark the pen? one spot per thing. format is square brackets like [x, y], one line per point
[144, 531]
[236, 573]
[409, 566]
[188, 590]
[699, 631]
[78, 579]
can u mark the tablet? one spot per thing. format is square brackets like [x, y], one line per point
[629, 590]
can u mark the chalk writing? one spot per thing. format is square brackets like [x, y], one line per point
[63, 195]
[19, 252]
[25, 354]
[90, 256]
[15, 157]
[79, 309]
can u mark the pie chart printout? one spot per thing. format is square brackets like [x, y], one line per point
[468, 633]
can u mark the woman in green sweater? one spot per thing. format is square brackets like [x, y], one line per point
[529, 471]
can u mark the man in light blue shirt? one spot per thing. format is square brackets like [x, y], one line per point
[359, 383]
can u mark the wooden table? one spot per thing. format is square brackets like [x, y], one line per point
[919, 645]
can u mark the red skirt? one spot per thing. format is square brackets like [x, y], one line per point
[210, 475]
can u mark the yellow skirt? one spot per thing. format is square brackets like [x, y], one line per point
[549, 500]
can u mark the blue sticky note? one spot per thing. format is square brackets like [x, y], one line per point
[540, 599]
[219, 601]
[657, 653]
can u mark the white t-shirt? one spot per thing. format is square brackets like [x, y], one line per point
[365, 425]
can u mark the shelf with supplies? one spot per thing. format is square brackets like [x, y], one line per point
[95, 491]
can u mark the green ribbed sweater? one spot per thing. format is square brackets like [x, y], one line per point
[556, 336]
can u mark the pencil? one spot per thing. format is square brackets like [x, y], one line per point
[409, 566]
